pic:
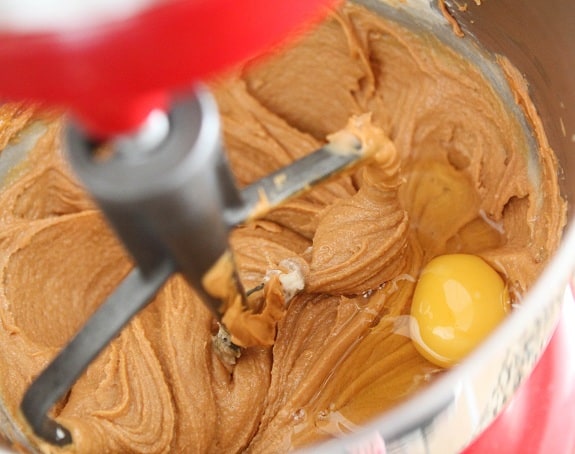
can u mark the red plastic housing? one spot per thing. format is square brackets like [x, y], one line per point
[112, 75]
[540, 418]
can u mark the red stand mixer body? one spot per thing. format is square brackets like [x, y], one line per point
[112, 75]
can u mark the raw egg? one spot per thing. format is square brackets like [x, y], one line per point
[458, 300]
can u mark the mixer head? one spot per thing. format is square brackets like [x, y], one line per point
[110, 69]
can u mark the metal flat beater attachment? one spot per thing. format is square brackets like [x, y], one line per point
[169, 195]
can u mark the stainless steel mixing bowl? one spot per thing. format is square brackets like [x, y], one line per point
[536, 36]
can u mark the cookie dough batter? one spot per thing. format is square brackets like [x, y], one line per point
[456, 180]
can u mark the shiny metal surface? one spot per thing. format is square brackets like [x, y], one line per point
[538, 38]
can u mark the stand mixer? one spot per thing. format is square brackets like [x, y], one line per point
[166, 188]
[143, 125]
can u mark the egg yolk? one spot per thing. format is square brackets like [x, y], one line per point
[459, 299]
